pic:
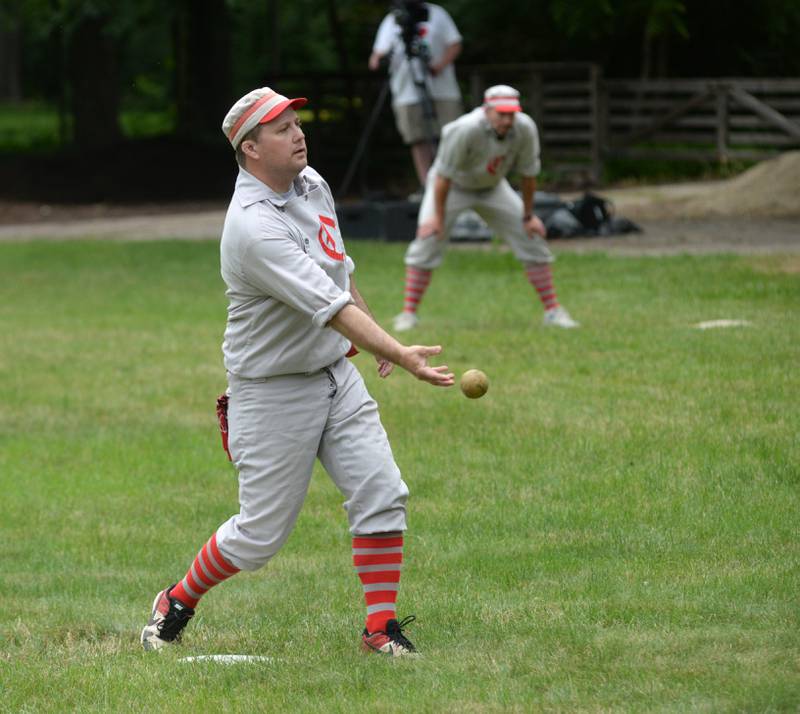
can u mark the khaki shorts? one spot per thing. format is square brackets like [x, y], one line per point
[411, 121]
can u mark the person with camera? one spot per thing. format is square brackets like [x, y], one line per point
[422, 42]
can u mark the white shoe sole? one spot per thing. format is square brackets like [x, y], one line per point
[404, 325]
[563, 326]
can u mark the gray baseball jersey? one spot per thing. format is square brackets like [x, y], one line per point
[287, 275]
[472, 156]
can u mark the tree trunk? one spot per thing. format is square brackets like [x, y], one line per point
[91, 74]
[647, 54]
[335, 26]
[202, 65]
[274, 14]
[337, 32]
[663, 56]
[10, 85]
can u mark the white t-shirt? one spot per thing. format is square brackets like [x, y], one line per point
[437, 34]
[472, 156]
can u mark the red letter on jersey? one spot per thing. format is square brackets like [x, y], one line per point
[491, 167]
[326, 240]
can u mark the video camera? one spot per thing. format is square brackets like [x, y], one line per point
[408, 14]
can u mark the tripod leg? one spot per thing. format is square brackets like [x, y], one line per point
[362, 142]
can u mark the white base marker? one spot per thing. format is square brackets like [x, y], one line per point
[227, 658]
[712, 324]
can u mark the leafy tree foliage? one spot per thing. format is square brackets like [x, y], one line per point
[90, 57]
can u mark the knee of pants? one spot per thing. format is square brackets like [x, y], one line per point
[532, 251]
[378, 505]
[425, 253]
[251, 545]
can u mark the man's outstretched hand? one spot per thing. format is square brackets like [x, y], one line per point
[415, 361]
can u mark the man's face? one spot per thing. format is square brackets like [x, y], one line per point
[281, 144]
[501, 122]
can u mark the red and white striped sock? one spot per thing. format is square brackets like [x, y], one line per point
[208, 569]
[417, 281]
[378, 559]
[541, 277]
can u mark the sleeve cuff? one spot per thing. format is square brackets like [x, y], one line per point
[533, 169]
[326, 314]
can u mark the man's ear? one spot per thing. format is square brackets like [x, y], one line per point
[249, 149]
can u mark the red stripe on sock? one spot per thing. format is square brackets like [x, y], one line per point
[216, 572]
[179, 593]
[199, 588]
[207, 582]
[377, 620]
[417, 281]
[359, 542]
[541, 278]
[228, 567]
[378, 559]
[380, 596]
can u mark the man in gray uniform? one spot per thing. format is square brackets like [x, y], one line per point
[477, 152]
[294, 314]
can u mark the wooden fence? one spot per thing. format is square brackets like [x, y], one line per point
[708, 119]
[583, 118]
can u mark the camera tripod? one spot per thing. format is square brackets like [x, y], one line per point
[417, 59]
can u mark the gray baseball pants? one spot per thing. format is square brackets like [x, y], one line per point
[277, 427]
[500, 207]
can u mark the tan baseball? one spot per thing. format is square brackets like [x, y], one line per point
[474, 383]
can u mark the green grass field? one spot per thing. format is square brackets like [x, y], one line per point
[614, 527]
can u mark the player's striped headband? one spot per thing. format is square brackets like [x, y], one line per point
[257, 107]
[502, 98]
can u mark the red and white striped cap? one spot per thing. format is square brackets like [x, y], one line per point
[502, 98]
[256, 107]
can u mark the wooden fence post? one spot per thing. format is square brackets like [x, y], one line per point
[598, 117]
[536, 98]
[722, 123]
[475, 88]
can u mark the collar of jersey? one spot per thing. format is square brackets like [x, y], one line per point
[250, 190]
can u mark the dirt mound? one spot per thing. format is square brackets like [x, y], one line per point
[769, 189]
